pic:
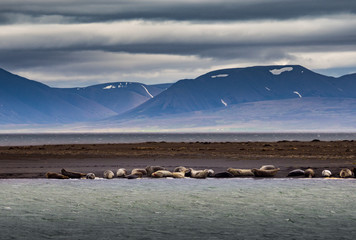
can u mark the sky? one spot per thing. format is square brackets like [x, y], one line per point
[67, 43]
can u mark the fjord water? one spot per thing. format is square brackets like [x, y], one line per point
[178, 209]
[98, 138]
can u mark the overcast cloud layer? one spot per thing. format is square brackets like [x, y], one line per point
[77, 43]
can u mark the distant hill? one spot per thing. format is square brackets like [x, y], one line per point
[262, 97]
[26, 101]
[294, 114]
[222, 88]
[118, 96]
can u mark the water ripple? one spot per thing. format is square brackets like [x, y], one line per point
[224, 209]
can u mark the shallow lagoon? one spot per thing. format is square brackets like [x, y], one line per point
[178, 208]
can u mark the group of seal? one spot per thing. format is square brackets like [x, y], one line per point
[183, 172]
[161, 172]
[310, 173]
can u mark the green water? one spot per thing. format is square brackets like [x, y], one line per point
[178, 208]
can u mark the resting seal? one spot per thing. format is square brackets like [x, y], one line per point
[134, 176]
[161, 174]
[139, 170]
[296, 172]
[265, 173]
[199, 173]
[108, 174]
[211, 173]
[72, 174]
[180, 169]
[267, 167]
[309, 173]
[121, 173]
[240, 172]
[152, 169]
[56, 175]
[178, 174]
[90, 176]
[326, 173]
[223, 175]
[346, 173]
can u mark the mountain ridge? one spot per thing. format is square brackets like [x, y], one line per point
[224, 87]
[216, 92]
[25, 101]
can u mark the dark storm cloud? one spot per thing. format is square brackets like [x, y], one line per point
[140, 40]
[229, 10]
[179, 38]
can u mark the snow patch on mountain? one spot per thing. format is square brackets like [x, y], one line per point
[109, 87]
[122, 85]
[298, 94]
[281, 70]
[147, 91]
[223, 102]
[220, 75]
[267, 88]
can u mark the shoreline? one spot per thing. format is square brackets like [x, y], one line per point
[35, 161]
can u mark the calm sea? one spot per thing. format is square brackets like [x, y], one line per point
[97, 138]
[178, 209]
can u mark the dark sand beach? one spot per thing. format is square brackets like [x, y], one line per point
[35, 161]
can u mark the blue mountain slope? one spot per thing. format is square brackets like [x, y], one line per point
[222, 88]
[305, 114]
[27, 101]
[346, 85]
[118, 96]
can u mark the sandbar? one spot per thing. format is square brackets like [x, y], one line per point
[35, 161]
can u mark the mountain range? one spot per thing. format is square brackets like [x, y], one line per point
[234, 97]
[222, 88]
[23, 101]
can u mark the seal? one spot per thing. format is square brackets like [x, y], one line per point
[211, 173]
[326, 173]
[152, 169]
[346, 173]
[309, 173]
[139, 170]
[161, 174]
[56, 175]
[180, 169]
[108, 174]
[90, 176]
[178, 174]
[121, 173]
[134, 176]
[267, 167]
[188, 173]
[265, 173]
[223, 175]
[296, 173]
[72, 174]
[240, 172]
[199, 173]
